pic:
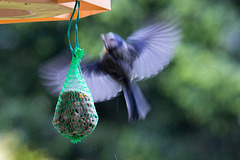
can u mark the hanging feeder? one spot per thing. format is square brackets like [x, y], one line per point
[75, 114]
[19, 11]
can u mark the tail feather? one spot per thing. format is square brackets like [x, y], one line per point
[131, 104]
[136, 103]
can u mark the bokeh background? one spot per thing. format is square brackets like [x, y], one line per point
[195, 101]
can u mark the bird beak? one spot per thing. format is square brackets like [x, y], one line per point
[103, 38]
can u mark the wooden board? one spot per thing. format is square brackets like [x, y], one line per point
[19, 11]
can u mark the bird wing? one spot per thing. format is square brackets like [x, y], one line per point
[53, 74]
[101, 85]
[153, 47]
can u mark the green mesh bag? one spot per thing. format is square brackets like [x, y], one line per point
[75, 114]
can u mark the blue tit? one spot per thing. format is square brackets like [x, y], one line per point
[143, 55]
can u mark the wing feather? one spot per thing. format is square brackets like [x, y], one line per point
[102, 86]
[154, 46]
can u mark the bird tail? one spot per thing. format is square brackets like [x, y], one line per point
[136, 103]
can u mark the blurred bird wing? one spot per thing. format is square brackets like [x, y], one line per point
[102, 86]
[53, 74]
[153, 47]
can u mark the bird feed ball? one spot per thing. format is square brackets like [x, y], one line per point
[75, 117]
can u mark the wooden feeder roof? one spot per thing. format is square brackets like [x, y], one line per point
[18, 11]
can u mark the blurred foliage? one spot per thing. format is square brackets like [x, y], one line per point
[11, 148]
[195, 100]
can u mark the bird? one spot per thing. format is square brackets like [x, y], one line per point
[122, 63]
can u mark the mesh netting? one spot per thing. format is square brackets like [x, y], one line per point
[75, 115]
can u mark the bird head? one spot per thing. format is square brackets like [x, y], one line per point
[112, 41]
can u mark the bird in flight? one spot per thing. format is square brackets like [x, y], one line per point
[122, 63]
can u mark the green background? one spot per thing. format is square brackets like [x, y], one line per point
[195, 101]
